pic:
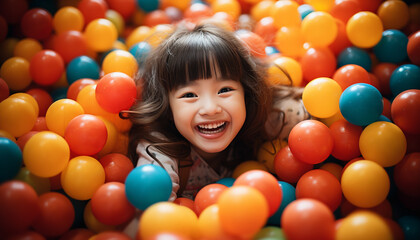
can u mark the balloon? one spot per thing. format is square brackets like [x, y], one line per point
[60, 113]
[117, 167]
[68, 18]
[318, 62]
[392, 47]
[308, 219]
[319, 29]
[70, 44]
[405, 77]
[120, 61]
[404, 111]
[346, 140]
[320, 185]
[354, 55]
[361, 104]
[243, 211]
[146, 185]
[82, 67]
[285, 14]
[27, 48]
[321, 96]
[264, 182]
[246, 166]
[209, 226]
[413, 47]
[46, 154]
[394, 15]
[57, 215]
[288, 168]
[15, 72]
[86, 134]
[92, 9]
[311, 141]
[208, 195]
[42, 97]
[289, 196]
[364, 29]
[17, 115]
[406, 174]
[383, 143]
[350, 74]
[46, 67]
[363, 225]
[167, 217]
[365, 183]
[100, 35]
[18, 206]
[11, 159]
[110, 205]
[36, 23]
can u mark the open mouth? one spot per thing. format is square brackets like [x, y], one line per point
[211, 128]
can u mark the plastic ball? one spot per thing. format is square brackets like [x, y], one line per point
[117, 167]
[406, 174]
[264, 182]
[364, 29]
[92, 223]
[266, 29]
[60, 113]
[120, 61]
[319, 29]
[392, 47]
[125, 8]
[110, 205]
[27, 48]
[46, 67]
[394, 14]
[92, 9]
[138, 34]
[346, 140]
[285, 14]
[270, 232]
[354, 55]
[289, 41]
[77, 86]
[288, 168]
[228, 182]
[411, 226]
[4, 89]
[186, 202]
[12, 159]
[167, 217]
[68, 18]
[404, 77]
[86, 134]
[289, 195]
[363, 225]
[41, 185]
[261, 9]
[321, 96]
[383, 143]
[305, 9]
[100, 35]
[156, 17]
[413, 48]
[350, 74]
[140, 51]
[311, 141]
[148, 5]
[15, 72]
[320, 185]
[308, 219]
[208, 195]
[19, 8]
[361, 104]
[246, 166]
[27, 98]
[318, 62]
[42, 97]
[57, 214]
[404, 111]
[82, 177]
[231, 7]
[17, 116]
[37, 23]
[209, 225]
[267, 151]
[146, 185]
[344, 10]
[383, 72]
[243, 210]
[70, 44]
[292, 68]
[82, 67]
[18, 205]
[365, 183]
[253, 42]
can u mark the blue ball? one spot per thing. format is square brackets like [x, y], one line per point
[289, 195]
[146, 185]
[304, 10]
[59, 93]
[140, 51]
[361, 104]
[392, 47]
[148, 5]
[82, 67]
[404, 77]
[228, 182]
[354, 55]
[410, 226]
[11, 159]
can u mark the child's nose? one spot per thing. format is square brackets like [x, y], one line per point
[210, 107]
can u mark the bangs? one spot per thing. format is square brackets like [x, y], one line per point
[201, 55]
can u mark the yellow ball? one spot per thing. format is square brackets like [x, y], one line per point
[267, 152]
[321, 97]
[319, 29]
[60, 113]
[286, 14]
[15, 72]
[46, 154]
[27, 48]
[285, 69]
[139, 34]
[209, 224]
[120, 61]
[28, 98]
[68, 18]
[248, 165]
[100, 35]
[290, 41]
[321, 5]
[364, 29]
[17, 116]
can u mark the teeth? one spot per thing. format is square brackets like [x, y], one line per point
[211, 125]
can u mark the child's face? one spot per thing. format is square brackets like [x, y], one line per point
[208, 112]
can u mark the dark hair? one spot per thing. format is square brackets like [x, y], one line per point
[187, 55]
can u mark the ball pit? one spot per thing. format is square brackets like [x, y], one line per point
[67, 68]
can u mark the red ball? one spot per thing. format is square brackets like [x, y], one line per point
[37, 23]
[57, 215]
[70, 44]
[383, 72]
[320, 185]
[116, 91]
[341, 40]
[311, 141]
[207, 196]
[266, 29]
[254, 42]
[92, 9]
[405, 111]
[77, 86]
[42, 97]
[46, 67]
[407, 175]
[345, 9]
[124, 7]
[350, 74]
[287, 167]
[156, 17]
[318, 62]
[117, 166]
[4, 90]
[110, 204]
[413, 48]
[346, 140]
[86, 134]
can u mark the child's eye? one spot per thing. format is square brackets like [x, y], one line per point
[225, 90]
[188, 95]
